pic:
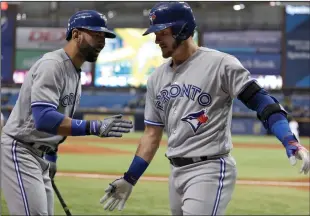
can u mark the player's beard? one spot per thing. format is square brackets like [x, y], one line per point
[170, 51]
[89, 52]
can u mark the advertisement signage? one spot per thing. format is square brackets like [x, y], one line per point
[40, 38]
[297, 34]
[261, 64]
[243, 41]
[8, 23]
[26, 58]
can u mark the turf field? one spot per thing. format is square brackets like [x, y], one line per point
[259, 159]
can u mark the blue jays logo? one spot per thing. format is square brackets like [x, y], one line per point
[196, 119]
[152, 17]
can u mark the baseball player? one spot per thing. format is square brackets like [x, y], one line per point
[42, 117]
[190, 98]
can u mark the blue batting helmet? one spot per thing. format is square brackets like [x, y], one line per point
[177, 15]
[91, 20]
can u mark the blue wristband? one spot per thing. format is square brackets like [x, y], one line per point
[51, 158]
[78, 127]
[136, 169]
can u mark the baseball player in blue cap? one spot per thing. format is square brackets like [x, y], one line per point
[42, 117]
[190, 97]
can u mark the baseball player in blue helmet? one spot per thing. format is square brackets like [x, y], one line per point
[176, 19]
[89, 23]
[42, 117]
[190, 97]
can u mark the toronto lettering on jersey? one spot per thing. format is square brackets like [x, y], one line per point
[68, 100]
[190, 91]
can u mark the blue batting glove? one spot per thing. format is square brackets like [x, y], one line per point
[294, 150]
[291, 145]
[113, 126]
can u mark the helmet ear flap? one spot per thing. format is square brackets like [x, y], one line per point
[69, 36]
[181, 31]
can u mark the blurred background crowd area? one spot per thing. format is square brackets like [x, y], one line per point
[271, 39]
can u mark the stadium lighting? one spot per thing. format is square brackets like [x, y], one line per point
[24, 16]
[146, 12]
[238, 7]
[111, 14]
[274, 3]
[4, 6]
[18, 16]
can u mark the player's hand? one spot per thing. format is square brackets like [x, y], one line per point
[52, 158]
[113, 126]
[116, 194]
[295, 150]
[53, 170]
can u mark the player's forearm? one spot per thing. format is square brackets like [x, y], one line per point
[65, 128]
[148, 147]
[73, 127]
[145, 152]
[49, 120]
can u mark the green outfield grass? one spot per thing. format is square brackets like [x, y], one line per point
[251, 163]
[151, 198]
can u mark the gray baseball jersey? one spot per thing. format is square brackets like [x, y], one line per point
[194, 105]
[52, 80]
[194, 102]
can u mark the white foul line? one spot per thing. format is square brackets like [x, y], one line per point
[165, 179]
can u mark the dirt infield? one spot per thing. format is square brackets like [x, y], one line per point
[133, 141]
[85, 149]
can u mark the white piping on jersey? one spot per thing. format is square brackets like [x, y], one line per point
[153, 123]
[221, 184]
[19, 178]
[44, 103]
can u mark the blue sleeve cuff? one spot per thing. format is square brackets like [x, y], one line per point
[154, 123]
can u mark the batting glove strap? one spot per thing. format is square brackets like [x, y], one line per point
[130, 179]
[87, 128]
[92, 127]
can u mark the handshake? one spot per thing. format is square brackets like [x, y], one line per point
[113, 126]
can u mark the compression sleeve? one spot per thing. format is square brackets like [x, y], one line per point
[47, 119]
[277, 122]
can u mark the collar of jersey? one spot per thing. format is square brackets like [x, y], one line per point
[184, 63]
[78, 70]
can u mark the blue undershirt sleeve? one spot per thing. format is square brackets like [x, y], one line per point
[47, 119]
[277, 123]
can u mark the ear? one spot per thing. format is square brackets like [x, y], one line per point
[75, 34]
